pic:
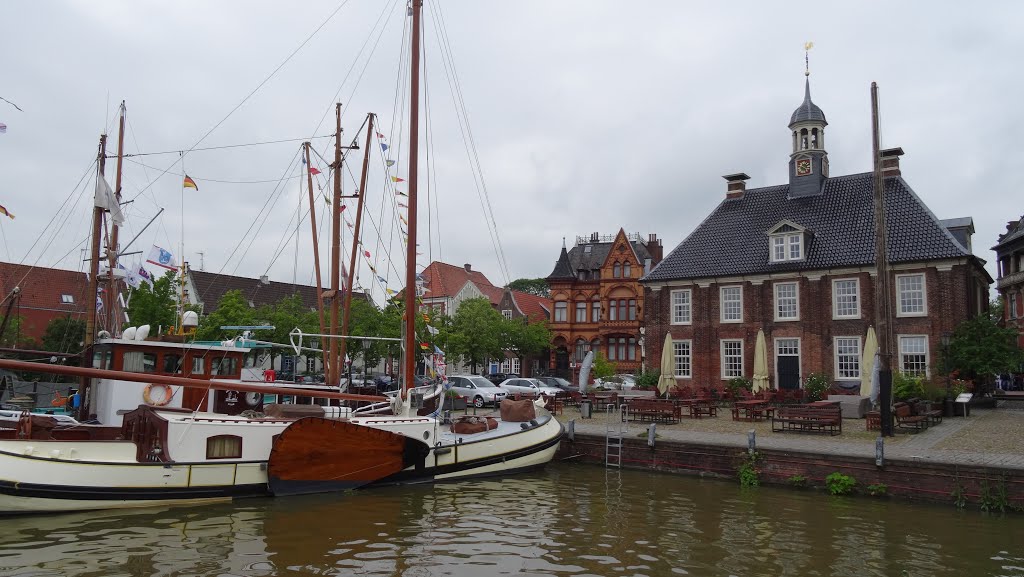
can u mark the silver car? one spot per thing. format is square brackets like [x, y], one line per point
[528, 386]
[477, 390]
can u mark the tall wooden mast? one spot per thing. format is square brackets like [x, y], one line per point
[883, 290]
[94, 283]
[333, 367]
[112, 250]
[316, 248]
[410, 259]
[361, 193]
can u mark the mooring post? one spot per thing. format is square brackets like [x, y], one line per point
[651, 434]
[570, 430]
[880, 451]
[751, 441]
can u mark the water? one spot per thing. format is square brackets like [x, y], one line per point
[566, 520]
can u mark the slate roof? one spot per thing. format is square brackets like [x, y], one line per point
[807, 111]
[446, 280]
[578, 258]
[732, 240]
[1011, 235]
[212, 286]
[563, 270]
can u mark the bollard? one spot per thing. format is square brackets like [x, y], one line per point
[585, 408]
[570, 430]
[880, 451]
[651, 434]
[751, 441]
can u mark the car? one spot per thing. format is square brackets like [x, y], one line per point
[477, 390]
[617, 382]
[528, 386]
[560, 383]
[497, 378]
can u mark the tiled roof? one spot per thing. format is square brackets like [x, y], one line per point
[445, 280]
[582, 259]
[732, 240]
[43, 288]
[212, 286]
[563, 270]
[533, 306]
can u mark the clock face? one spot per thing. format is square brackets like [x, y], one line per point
[803, 167]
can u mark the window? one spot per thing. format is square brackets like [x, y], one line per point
[626, 270]
[846, 298]
[611, 349]
[910, 295]
[198, 366]
[1011, 305]
[581, 312]
[682, 306]
[224, 366]
[683, 359]
[172, 364]
[787, 347]
[507, 313]
[138, 362]
[732, 358]
[67, 299]
[789, 246]
[795, 246]
[617, 349]
[612, 311]
[622, 309]
[847, 358]
[561, 311]
[914, 355]
[616, 270]
[224, 447]
[310, 364]
[787, 301]
[631, 349]
[582, 347]
[632, 309]
[778, 248]
[587, 248]
[595, 311]
[732, 304]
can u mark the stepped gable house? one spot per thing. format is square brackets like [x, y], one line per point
[598, 300]
[797, 260]
[1010, 258]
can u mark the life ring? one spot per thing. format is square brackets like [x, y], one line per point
[168, 393]
[58, 400]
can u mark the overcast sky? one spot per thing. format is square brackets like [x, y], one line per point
[586, 117]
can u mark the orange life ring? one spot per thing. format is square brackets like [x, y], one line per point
[168, 393]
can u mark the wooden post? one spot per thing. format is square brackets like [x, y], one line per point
[883, 284]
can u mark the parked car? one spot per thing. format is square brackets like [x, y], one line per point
[559, 383]
[477, 390]
[497, 378]
[617, 382]
[528, 386]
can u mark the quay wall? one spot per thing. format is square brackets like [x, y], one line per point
[908, 479]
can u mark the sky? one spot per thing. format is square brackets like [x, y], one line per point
[584, 117]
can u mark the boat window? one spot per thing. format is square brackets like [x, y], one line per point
[101, 359]
[224, 447]
[172, 364]
[198, 366]
[139, 362]
[224, 366]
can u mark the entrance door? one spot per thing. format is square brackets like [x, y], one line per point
[562, 362]
[787, 363]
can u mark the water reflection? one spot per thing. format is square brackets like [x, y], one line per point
[576, 521]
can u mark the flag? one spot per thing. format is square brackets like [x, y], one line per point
[313, 170]
[382, 279]
[3, 128]
[383, 147]
[424, 346]
[389, 162]
[432, 330]
[391, 291]
[403, 205]
[6, 212]
[438, 351]
[425, 316]
[379, 135]
[131, 278]
[161, 257]
[397, 179]
[145, 276]
[189, 183]
[400, 193]
[104, 198]
[99, 303]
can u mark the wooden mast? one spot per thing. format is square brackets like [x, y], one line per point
[112, 250]
[409, 369]
[361, 193]
[334, 369]
[883, 292]
[316, 249]
[94, 283]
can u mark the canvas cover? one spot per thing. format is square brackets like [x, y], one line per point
[517, 411]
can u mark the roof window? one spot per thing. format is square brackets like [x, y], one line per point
[67, 299]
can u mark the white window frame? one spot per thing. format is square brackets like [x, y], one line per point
[927, 353]
[721, 352]
[796, 297]
[595, 311]
[507, 313]
[722, 303]
[924, 296]
[835, 300]
[564, 309]
[789, 240]
[580, 312]
[682, 360]
[682, 312]
[835, 358]
[67, 299]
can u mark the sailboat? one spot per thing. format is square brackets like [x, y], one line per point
[180, 451]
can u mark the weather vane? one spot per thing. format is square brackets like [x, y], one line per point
[807, 59]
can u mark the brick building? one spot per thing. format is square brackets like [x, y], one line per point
[598, 301]
[46, 294]
[798, 261]
[1010, 282]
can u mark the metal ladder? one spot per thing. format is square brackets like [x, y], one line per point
[616, 426]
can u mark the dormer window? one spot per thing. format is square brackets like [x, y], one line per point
[786, 242]
[67, 299]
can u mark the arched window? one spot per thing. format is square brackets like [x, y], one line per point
[803, 139]
[582, 347]
[616, 270]
[626, 270]
[814, 138]
[794, 141]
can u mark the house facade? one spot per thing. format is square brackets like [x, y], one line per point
[797, 260]
[598, 301]
[1010, 276]
[44, 294]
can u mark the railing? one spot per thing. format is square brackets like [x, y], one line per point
[1010, 279]
[589, 238]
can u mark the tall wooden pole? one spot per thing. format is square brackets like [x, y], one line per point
[883, 285]
[334, 365]
[316, 245]
[94, 283]
[355, 238]
[112, 250]
[410, 260]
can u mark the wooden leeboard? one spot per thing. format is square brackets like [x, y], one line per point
[316, 455]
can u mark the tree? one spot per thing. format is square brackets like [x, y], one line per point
[232, 309]
[522, 338]
[157, 305]
[12, 332]
[534, 286]
[64, 335]
[980, 348]
[476, 332]
[602, 367]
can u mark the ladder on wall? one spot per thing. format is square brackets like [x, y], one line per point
[616, 427]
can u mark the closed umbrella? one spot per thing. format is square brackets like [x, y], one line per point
[760, 363]
[867, 362]
[667, 380]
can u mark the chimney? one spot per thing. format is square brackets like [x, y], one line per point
[468, 267]
[655, 249]
[265, 279]
[891, 161]
[594, 236]
[737, 185]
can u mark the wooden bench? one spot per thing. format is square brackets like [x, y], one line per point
[703, 408]
[906, 419]
[652, 410]
[804, 419]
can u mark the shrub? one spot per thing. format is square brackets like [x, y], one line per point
[797, 481]
[815, 386]
[906, 386]
[749, 470]
[878, 490]
[648, 380]
[737, 383]
[840, 484]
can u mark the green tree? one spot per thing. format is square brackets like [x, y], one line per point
[602, 367]
[64, 335]
[534, 286]
[233, 309]
[980, 348]
[523, 339]
[157, 305]
[476, 332]
[12, 332]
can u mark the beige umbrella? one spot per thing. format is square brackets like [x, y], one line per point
[760, 363]
[867, 362]
[667, 380]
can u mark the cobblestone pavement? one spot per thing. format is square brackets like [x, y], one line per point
[986, 438]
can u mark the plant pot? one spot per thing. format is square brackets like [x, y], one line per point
[947, 408]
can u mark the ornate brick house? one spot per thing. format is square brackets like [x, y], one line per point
[798, 261]
[1010, 259]
[598, 301]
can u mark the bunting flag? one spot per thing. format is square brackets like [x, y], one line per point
[189, 183]
[327, 199]
[99, 303]
[313, 170]
[382, 279]
[348, 224]
[390, 291]
[397, 179]
[161, 257]
[373, 270]
[426, 317]
[432, 330]
[402, 205]
[3, 128]
[389, 162]
[383, 147]
[402, 218]
[367, 253]
[424, 346]
[6, 212]
[438, 351]
[381, 136]
[400, 193]
[145, 276]
[342, 209]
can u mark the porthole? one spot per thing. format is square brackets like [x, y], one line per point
[426, 435]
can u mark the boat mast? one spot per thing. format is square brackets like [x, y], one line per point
[410, 256]
[112, 250]
[316, 249]
[883, 288]
[94, 284]
[361, 194]
[334, 370]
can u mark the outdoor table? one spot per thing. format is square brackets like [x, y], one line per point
[751, 410]
[823, 404]
[700, 407]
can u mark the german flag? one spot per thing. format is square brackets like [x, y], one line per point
[6, 212]
[189, 183]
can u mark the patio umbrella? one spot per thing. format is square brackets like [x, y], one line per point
[867, 362]
[760, 364]
[667, 380]
[588, 361]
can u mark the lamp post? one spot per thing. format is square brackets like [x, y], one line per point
[947, 405]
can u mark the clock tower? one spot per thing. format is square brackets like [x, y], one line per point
[808, 163]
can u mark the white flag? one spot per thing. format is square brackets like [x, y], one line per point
[432, 330]
[105, 199]
[161, 257]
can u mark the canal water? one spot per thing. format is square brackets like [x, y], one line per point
[565, 520]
